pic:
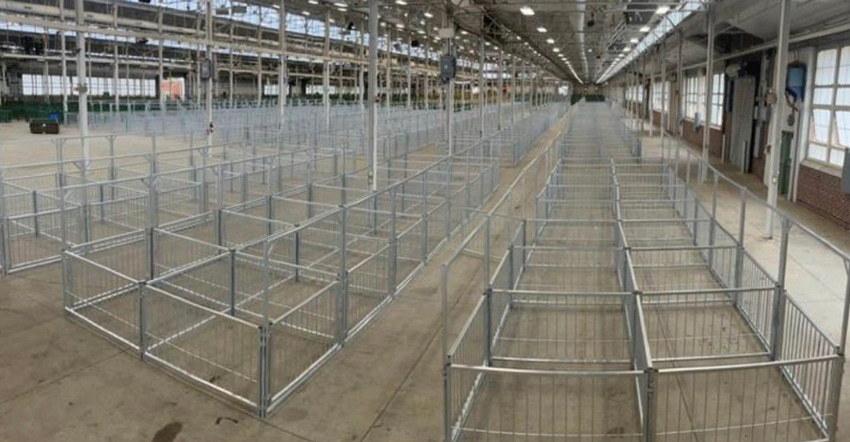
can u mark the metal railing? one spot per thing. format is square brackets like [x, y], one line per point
[622, 308]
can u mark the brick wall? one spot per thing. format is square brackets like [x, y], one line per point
[715, 147]
[695, 138]
[821, 192]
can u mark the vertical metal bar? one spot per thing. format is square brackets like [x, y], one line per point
[143, 320]
[779, 301]
[342, 303]
[35, 223]
[232, 282]
[837, 377]
[712, 228]
[846, 315]
[447, 390]
[651, 405]
[393, 263]
[263, 375]
[481, 88]
[151, 249]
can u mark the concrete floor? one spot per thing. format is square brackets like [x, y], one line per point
[59, 381]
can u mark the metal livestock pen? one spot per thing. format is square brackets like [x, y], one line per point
[251, 297]
[45, 206]
[624, 309]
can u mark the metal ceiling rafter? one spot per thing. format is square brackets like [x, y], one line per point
[658, 32]
[479, 10]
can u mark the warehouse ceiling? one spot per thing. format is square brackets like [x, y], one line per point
[583, 41]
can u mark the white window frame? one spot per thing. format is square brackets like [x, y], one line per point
[835, 151]
[718, 90]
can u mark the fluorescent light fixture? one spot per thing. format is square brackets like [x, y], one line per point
[551, 41]
[644, 29]
[313, 2]
[627, 49]
[556, 50]
[541, 30]
[527, 11]
[399, 25]
[634, 40]
[428, 14]
[307, 13]
[663, 9]
[401, 2]
[463, 31]
[590, 50]
[420, 32]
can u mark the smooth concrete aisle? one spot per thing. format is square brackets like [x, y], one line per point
[62, 382]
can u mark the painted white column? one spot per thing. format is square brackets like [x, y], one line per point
[326, 71]
[780, 74]
[282, 81]
[709, 90]
[209, 82]
[374, 94]
[82, 84]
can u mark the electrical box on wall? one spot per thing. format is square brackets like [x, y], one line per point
[448, 66]
[795, 83]
[206, 69]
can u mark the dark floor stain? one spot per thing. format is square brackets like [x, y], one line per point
[168, 433]
[225, 418]
[616, 430]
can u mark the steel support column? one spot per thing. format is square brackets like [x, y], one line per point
[409, 73]
[780, 73]
[209, 81]
[82, 84]
[501, 85]
[374, 94]
[389, 78]
[663, 118]
[481, 88]
[450, 86]
[709, 88]
[680, 87]
[282, 81]
[326, 71]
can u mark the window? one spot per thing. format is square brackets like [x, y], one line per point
[98, 86]
[694, 97]
[829, 123]
[635, 94]
[270, 90]
[661, 93]
[718, 89]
